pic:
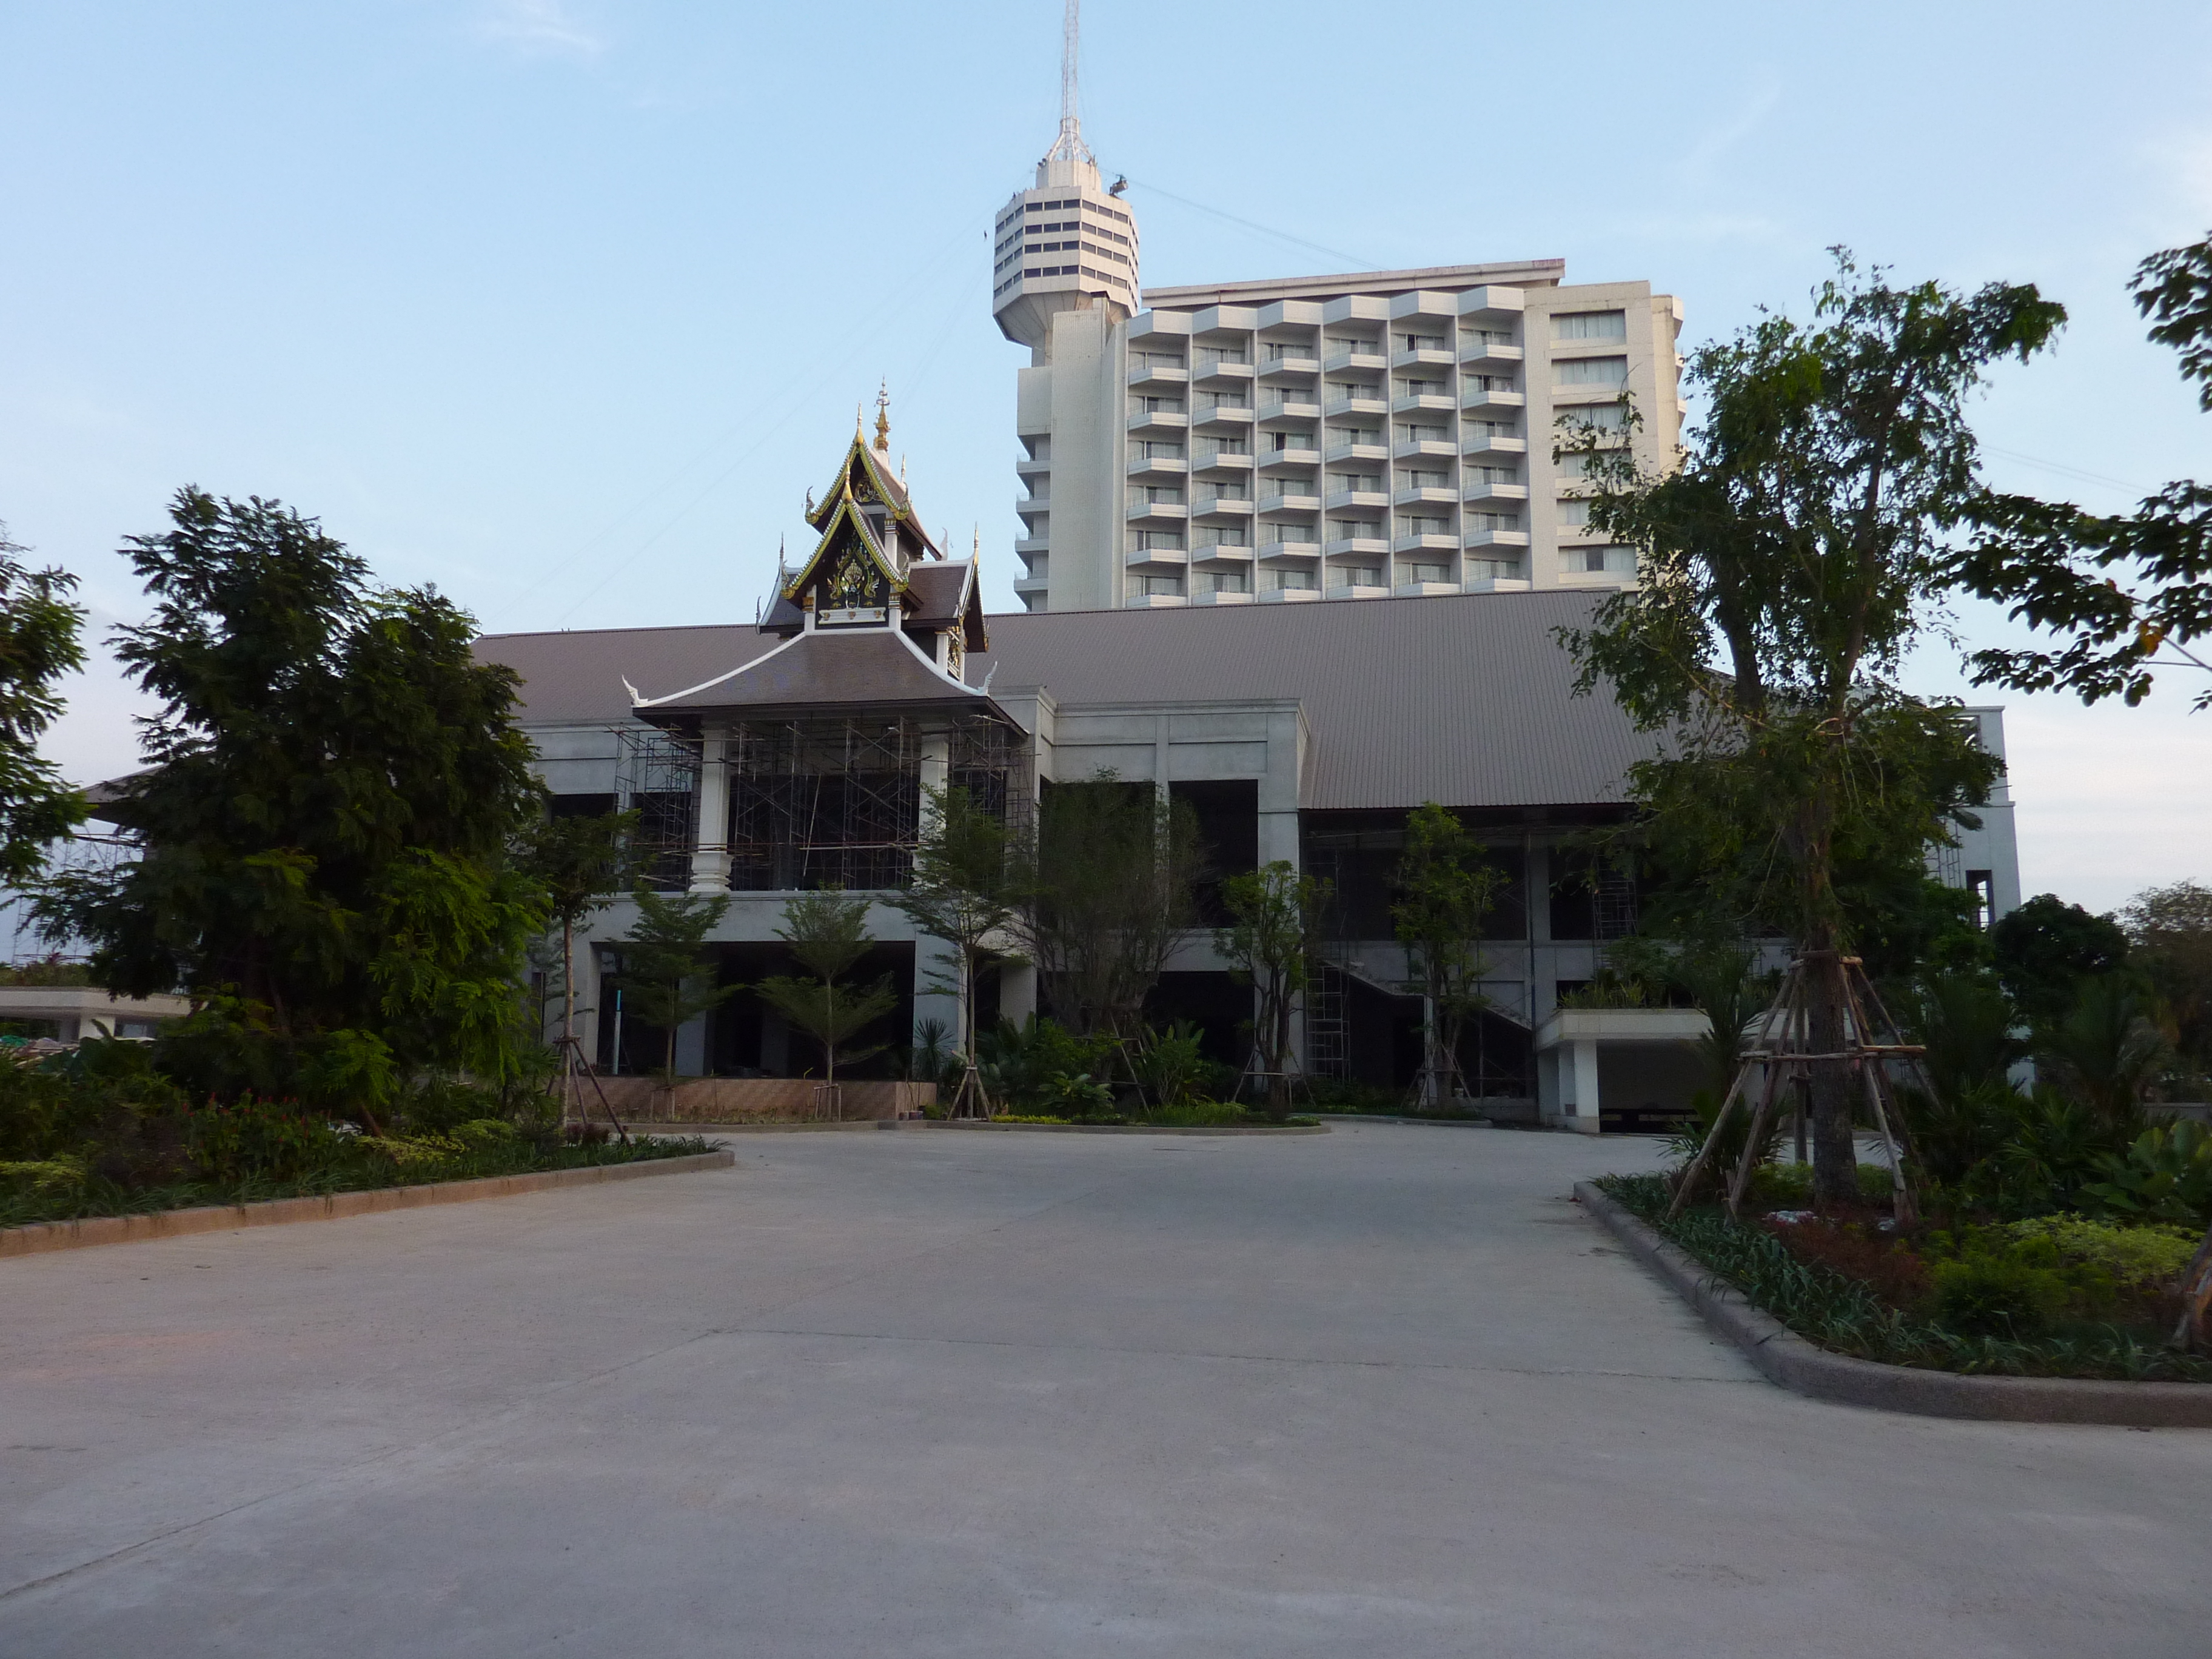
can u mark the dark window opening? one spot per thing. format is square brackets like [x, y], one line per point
[1982, 884]
[1228, 816]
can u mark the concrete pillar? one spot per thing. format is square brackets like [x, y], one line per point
[936, 773]
[710, 853]
[1018, 990]
[1585, 1110]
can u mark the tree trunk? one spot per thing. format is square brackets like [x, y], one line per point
[567, 985]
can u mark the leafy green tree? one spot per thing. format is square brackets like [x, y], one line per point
[1445, 890]
[1788, 564]
[2047, 949]
[579, 862]
[38, 644]
[2123, 592]
[665, 961]
[2170, 942]
[828, 932]
[969, 888]
[1114, 887]
[1273, 943]
[323, 824]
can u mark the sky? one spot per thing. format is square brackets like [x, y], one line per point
[562, 306]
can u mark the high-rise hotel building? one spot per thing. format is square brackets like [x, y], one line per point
[1378, 434]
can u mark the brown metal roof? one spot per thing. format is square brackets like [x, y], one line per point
[828, 668]
[1464, 699]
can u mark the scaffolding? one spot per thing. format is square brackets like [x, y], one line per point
[821, 802]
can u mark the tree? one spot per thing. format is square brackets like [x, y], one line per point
[2170, 942]
[1788, 565]
[580, 863]
[2047, 949]
[664, 955]
[38, 644]
[828, 932]
[967, 890]
[1115, 888]
[2118, 589]
[1446, 888]
[323, 827]
[1271, 943]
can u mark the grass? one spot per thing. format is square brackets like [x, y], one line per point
[364, 1173]
[1843, 1313]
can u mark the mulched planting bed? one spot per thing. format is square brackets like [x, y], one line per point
[1843, 1281]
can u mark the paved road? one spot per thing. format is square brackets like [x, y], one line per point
[1381, 1392]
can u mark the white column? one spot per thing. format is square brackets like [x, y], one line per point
[936, 773]
[1585, 1099]
[710, 853]
[1018, 990]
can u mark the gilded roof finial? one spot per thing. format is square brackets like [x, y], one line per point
[976, 550]
[860, 420]
[884, 419]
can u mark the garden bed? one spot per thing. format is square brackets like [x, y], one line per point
[500, 1159]
[1825, 1333]
[1053, 1125]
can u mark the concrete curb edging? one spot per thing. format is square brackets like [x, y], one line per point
[1782, 1357]
[48, 1236]
[1120, 1128]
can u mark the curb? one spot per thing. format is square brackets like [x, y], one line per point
[1782, 1357]
[45, 1237]
[1117, 1129]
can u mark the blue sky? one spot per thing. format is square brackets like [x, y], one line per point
[562, 305]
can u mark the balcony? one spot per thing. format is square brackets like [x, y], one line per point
[1366, 403]
[1142, 375]
[1028, 466]
[1290, 549]
[1340, 546]
[1414, 403]
[1491, 400]
[1220, 552]
[1493, 443]
[1028, 506]
[1274, 460]
[1158, 466]
[1513, 493]
[1477, 583]
[1359, 356]
[1153, 601]
[1219, 506]
[1423, 357]
[1355, 453]
[1222, 372]
[1287, 595]
[1033, 547]
[1162, 421]
[1287, 366]
[1409, 448]
[1582, 532]
[1225, 461]
[1224, 414]
[1340, 499]
[1427, 495]
[1141, 514]
[1374, 590]
[1427, 542]
[1177, 556]
[1496, 539]
[1485, 354]
[1035, 582]
[1289, 502]
[1289, 408]
[1423, 590]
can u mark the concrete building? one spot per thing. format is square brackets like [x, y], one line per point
[1355, 436]
[773, 758]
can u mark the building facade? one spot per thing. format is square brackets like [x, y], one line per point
[1366, 436]
[770, 758]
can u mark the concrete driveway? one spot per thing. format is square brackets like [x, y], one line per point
[1381, 1392]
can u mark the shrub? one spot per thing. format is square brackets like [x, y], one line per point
[257, 1140]
[2134, 1258]
[1996, 1296]
[2166, 1175]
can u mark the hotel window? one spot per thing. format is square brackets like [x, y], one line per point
[1493, 521]
[1422, 527]
[1574, 511]
[1429, 573]
[1421, 388]
[1421, 478]
[1231, 581]
[1159, 584]
[1492, 337]
[1159, 450]
[1422, 434]
[1360, 480]
[1982, 884]
[1234, 536]
[1604, 417]
[1490, 430]
[1591, 325]
[1160, 405]
[1490, 383]
[1362, 576]
[1590, 371]
[1155, 495]
[1492, 569]
[1494, 475]
[1421, 342]
[1159, 541]
[1295, 582]
[1351, 530]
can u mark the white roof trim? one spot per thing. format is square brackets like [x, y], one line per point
[654, 702]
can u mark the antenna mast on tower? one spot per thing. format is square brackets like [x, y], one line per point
[1069, 146]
